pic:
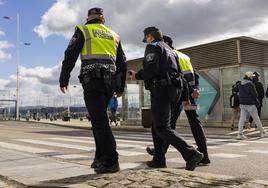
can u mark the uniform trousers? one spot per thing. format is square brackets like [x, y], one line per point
[97, 96]
[162, 103]
[195, 124]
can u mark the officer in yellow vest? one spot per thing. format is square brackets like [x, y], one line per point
[192, 79]
[103, 73]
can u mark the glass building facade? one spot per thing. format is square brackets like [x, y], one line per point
[219, 64]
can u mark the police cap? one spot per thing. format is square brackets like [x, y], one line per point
[148, 31]
[95, 13]
[168, 40]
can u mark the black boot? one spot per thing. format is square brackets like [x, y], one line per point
[150, 151]
[193, 161]
[107, 169]
[156, 164]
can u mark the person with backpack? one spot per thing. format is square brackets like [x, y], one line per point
[234, 103]
[248, 102]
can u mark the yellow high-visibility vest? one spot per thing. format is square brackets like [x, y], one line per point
[184, 63]
[100, 42]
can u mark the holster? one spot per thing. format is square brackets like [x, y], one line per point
[84, 79]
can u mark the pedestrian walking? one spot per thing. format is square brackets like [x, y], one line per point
[260, 92]
[248, 102]
[161, 75]
[112, 106]
[102, 61]
[192, 79]
[234, 103]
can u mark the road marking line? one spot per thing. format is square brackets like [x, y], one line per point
[227, 155]
[56, 144]
[124, 166]
[176, 160]
[129, 141]
[212, 147]
[257, 151]
[236, 144]
[28, 149]
[70, 140]
[256, 141]
[72, 156]
[129, 153]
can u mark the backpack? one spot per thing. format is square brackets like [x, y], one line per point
[234, 98]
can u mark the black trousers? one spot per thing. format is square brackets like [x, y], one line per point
[195, 124]
[97, 96]
[162, 100]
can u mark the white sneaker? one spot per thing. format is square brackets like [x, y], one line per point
[263, 134]
[241, 137]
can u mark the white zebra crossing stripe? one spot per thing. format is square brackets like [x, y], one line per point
[257, 141]
[56, 144]
[176, 160]
[212, 147]
[28, 149]
[72, 156]
[226, 155]
[128, 153]
[236, 144]
[129, 141]
[91, 141]
[257, 151]
[70, 140]
[124, 166]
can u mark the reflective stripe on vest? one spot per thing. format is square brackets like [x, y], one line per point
[185, 63]
[100, 42]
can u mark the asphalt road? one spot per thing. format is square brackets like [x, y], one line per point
[246, 159]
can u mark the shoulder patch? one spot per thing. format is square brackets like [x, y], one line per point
[150, 57]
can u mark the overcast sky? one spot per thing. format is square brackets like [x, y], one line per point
[50, 24]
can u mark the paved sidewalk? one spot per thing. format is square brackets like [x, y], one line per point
[169, 178]
[35, 171]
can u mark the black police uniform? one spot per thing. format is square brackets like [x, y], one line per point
[160, 60]
[97, 93]
[195, 124]
[260, 91]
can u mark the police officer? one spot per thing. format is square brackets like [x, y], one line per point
[161, 75]
[260, 91]
[193, 84]
[103, 73]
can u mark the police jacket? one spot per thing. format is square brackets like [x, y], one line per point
[159, 59]
[73, 50]
[247, 93]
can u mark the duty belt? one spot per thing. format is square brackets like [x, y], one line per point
[98, 66]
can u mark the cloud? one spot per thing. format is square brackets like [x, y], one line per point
[4, 45]
[2, 2]
[61, 18]
[189, 22]
[37, 84]
[2, 33]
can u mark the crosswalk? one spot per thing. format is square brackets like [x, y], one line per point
[128, 145]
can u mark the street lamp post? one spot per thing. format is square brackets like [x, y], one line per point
[17, 60]
[17, 65]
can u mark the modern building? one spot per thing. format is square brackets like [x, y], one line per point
[220, 64]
